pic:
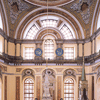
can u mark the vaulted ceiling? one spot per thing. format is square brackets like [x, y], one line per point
[81, 14]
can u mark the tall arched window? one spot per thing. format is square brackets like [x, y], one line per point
[69, 89]
[49, 49]
[28, 89]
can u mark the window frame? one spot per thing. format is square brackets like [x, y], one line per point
[65, 56]
[29, 85]
[70, 78]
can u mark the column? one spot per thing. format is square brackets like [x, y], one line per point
[91, 47]
[4, 46]
[20, 49]
[7, 46]
[83, 49]
[15, 49]
[77, 49]
[94, 45]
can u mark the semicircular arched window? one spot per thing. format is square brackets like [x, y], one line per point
[69, 89]
[28, 89]
[52, 22]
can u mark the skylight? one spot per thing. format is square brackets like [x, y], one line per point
[67, 34]
[49, 23]
[32, 32]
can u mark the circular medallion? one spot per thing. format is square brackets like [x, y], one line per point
[38, 52]
[50, 2]
[59, 52]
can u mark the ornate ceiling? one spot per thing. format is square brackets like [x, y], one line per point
[80, 13]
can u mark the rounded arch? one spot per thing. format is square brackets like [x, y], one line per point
[40, 12]
[4, 18]
[95, 17]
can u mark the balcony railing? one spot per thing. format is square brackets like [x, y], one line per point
[18, 60]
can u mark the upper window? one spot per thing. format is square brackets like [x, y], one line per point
[52, 22]
[67, 34]
[29, 53]
[29, 89]
[49, 23]
[1, 25]
[98, 23]
[49, 49]
[69, 89]
[32, 32]
[69, 53]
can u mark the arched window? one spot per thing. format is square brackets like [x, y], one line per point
[49, 49]
[28, 89]
[98, 23]
[69, 89]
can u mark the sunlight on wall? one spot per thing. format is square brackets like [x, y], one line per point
[98, 23]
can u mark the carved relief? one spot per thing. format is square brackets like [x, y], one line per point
[70, 72]
[59, 69]
[38, 69]
[27, 72]
[16, 7]
[51, 80]
[18, 69]
[83, 7]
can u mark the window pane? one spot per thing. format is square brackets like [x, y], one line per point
[69, 89]
[69, 53]
[29, 53]
[49, 49]
[32, 32]
[67, 34]
[28, 89]
[49, 23]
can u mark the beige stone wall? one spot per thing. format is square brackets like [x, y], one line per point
[11, 74]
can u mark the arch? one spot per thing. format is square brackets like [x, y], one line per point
[29, 89]
[68, 89]
[95, 17]
[40, 12]
[4, 18]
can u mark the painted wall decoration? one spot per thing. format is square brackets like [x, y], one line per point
[59, 51]
[83, 7]
[38, 52]
[16, 7]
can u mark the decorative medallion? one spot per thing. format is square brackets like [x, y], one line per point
[83, 7]
[50, 2]
[59, 52]
[16, 7]
[38, 52]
